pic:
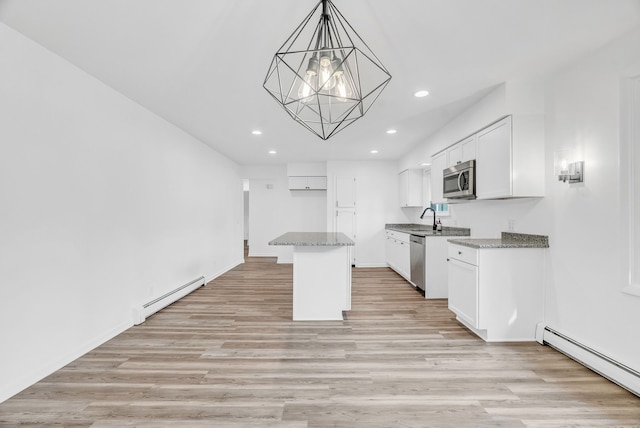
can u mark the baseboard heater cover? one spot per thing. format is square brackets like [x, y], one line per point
[142, 312]
[605, 366]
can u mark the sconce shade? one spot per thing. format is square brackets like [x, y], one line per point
[324, 75]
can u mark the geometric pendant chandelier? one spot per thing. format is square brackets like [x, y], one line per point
[324, 75]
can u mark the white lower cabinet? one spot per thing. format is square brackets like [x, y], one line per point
[463, 291]
[436, 281]
[398, 253]
[399, 259]
[497, 292]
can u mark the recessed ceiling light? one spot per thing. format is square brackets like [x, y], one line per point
[425, 164]
[272, 152]
[256, 132]
[391, 131]
[421, 94]
[373, 152]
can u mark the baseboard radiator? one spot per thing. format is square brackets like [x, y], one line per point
[142, 312]
[607, 367]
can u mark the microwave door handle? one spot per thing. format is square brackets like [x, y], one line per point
[461, 175]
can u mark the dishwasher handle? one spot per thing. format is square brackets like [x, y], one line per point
[416, 239]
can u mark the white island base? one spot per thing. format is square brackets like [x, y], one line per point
[321, 274]
[321, 283]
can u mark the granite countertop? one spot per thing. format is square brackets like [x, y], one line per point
[508, 240]
[313, 239]
[427, 231]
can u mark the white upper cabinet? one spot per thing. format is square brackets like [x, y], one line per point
[410, 191]
[438, 164]
[493, 166]
[462, 151]
[454, 155]
[307, 176]
[307, 183]
[510, 159]
[468, 148]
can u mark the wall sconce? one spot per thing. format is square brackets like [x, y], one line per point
[573, 173]
[567, 166]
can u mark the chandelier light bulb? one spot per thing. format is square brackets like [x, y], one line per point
[343, 88]
[327, 80]
[307, 87]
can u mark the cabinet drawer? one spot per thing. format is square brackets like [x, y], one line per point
[462, 253]
[404, 237]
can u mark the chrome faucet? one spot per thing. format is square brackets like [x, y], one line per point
[434, 216]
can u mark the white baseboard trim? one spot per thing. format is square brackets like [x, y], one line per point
[600, 363]
[9, 390]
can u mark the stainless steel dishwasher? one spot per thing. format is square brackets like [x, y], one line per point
[417, 251]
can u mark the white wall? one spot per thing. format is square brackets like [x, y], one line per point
[584, 298]
[377, 203]
[585, 275]
[103, 206]
[274, 210]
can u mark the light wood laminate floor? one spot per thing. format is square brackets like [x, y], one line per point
[228, 355]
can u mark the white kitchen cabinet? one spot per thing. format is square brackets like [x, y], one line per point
[307, 183]
[410, 188]
[398, 253]
[436, 273]
[454, 155]
[438, 164]
[497, 292]
[493, 166]
[510, 159]
[468, 148]
[462, 151]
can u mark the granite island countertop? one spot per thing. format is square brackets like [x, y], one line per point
[427, 231]
[313, 239]
[507, 240]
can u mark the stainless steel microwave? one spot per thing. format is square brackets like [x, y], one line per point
[459, 181]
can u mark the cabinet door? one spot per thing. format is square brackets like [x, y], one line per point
[389, 250]
[454, 155]
[297, 183]
[345, 192]
[463, 291]
[404, 259]
[493, 166]
[317, 183]
[438, 164]
[468, 149]
[410, 191]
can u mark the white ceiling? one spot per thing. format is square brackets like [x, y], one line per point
[200, 64]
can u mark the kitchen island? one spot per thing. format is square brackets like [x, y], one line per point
[321, 274]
